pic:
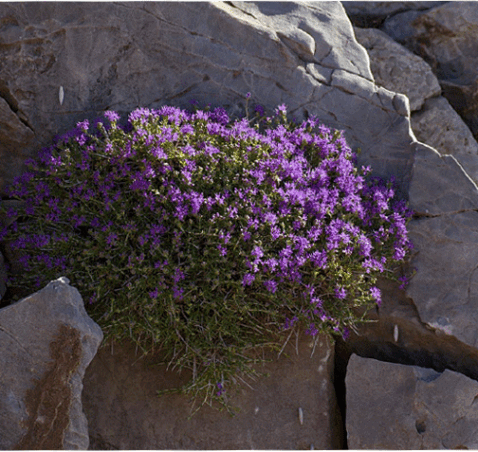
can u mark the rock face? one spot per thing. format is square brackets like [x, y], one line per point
[397, 69]
[64, 62]
[47, 341]
[445, 36]
[409, 407]
[373, 14]
[3, 276]
[292, 408]
[433, 120]
[127, 55]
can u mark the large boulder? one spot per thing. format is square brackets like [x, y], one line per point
[392, 406]
[373, 14]
[123, 55]
[64, 62]
[445, 233]
[433, 120]
[46, 342]
[397, 69]
[445, 36]
[294, 407]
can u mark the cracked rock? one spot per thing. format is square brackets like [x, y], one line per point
[292, 408]
[372, 14]
[440, 126]
[148, 55]
[46, 342]
[445, 37]
[392, 406]
[397, 69]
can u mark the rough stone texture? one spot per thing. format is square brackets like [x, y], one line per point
[372, 14]
[433, 120]
[445, 37]
[3, 276]
[445, 234]
[397, 69]
[409, 407]
[124, 55]
[47, 340]
[442, 128]
[397, 334]
[124, 411]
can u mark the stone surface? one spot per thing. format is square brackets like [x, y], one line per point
[445, 36]
[123, 55]
[445, 233]
[124, 411]
[397, 69]
[3, 276]
[391, 406]
[372, 14]
[433, 120]
[47, 340]
[442, 128]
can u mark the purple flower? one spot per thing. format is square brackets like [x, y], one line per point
[340, 293]
[112, 116]
[221, 390]
[376, 294]
[248, 279]
[271, 286]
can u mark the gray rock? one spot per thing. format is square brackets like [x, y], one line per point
[397, 69]
[372, 14]
[391, 406]
[440, 185]
[15, 135]
[294, 407]
[3, 276]
[439, 126]
[444, 288]
[445, 37]
[135, 54]
[436, 123]
[47, 341]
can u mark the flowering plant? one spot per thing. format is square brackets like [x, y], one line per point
[205, 237]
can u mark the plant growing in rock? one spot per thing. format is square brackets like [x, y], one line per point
[207, 238]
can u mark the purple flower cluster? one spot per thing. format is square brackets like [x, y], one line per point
[188, 221]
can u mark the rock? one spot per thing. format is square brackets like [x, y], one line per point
[120, 56]
[47, 341]
[391, 406]
[439, 126]
[444, 288]
[292, 408]
[372, 14]
[14, 136]
[433, 120]
[397, 69]
[445, 37]
[153, 54]
[3, 276]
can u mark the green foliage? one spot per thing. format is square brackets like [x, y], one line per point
[206, 239]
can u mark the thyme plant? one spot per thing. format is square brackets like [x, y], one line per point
[207, 238]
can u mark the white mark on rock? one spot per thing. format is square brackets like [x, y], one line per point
[61, 95]
[301, 416]
[395, 333]
[256, 410]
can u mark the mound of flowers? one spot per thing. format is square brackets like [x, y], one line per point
[206, 238]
